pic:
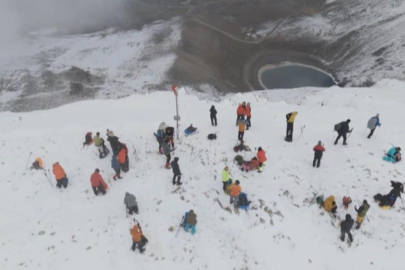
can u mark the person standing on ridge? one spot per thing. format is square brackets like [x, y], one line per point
[372, 124]
[345, 227]
[290, 126]
[114, 142]
[318, 149]
[213, 115]
[116, 166]
[166, 152]
[176, 171]
[97, 183]
[241, 129]
[361, 213]
[261, 157]
[342, 129]
[249, 115]
[240, 112]
[60, 175]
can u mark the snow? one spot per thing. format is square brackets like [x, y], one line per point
[82, 231]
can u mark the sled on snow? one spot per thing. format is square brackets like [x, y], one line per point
[190, 130]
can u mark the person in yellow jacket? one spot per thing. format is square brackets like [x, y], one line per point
[330, 204]
[226, 179]
[290, 126]
[241, 128]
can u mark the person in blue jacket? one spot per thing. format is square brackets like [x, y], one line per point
[393, 155]
[372, 124]
[116, 166]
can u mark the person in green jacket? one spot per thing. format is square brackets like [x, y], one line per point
[361, 213]
[226, 179]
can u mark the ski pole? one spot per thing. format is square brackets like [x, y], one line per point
[376, 134]
[28, 160]
[49, 180]
[313, 198]
[178, 229]
[403, 207]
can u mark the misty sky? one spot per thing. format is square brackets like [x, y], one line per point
[18, 17]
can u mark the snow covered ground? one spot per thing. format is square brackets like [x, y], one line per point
[45, 228]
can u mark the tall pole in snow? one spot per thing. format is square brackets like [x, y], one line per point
[177, 117]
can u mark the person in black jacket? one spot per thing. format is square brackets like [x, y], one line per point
[114, 142]
[176, 171]
[213, 115]
[345, 227]
[344, 129]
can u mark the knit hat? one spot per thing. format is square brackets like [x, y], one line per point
[110, 133]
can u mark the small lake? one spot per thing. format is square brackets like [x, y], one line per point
[291, 75]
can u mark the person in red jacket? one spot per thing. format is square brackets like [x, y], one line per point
[318, 149]
[123, 158]
[97, 183]
[249, 115]
[261, 156]
[240, 112]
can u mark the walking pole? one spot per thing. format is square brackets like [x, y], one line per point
[403, 207]
[49, 180]
[376, 134]
[179, 228]
[28, 160]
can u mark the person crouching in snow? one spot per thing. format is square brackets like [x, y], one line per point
[236, 189]
[88, 139]
[123, 158]
[130, 203]
[330, 205]
[318, 149]
[137, 234]
[97, 183]
[261, 156]
[393, 155]
[345, 227]
[38, 164]
[166, 152]
[60, 175]
[191, 222]
[117, 168]
[247, 166]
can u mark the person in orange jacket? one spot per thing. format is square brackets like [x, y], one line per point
[249, 115]
[123, 158]
[97, 183]
[235, 189]
[38, 164]
[261, 156]
[137, 234]
[240, 112]
[60, 175]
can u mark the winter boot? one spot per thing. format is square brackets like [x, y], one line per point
[179, 183]
[160, 150]
[167, 165]
[115, 178]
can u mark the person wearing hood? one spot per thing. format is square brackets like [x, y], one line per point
[240, 112]
[97, 183]
[372, 124]
[342, 131]
[191, 222]
[38, 164]
[114, 142]
[176, 171]
[290, 126]
[330, 204]
[117, 168]
[130, 203]
[166, 152]
[345, 227]
[318, 149]
[213, 115]
[361, 213]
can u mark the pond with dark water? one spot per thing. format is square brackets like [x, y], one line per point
[293, 76]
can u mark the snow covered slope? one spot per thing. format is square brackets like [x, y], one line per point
[45, 228]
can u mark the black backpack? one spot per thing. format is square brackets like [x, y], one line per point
[338, 126]
[243, 199]
[212, 136]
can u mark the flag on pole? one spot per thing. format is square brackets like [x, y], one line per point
[174, 89]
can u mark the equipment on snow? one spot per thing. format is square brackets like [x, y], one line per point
[190, 130]
[49, 180]
[313, 198]
[212, 136]
[302, 132]
[26, 166]
[182, 224]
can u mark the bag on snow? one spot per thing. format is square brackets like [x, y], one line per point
[320, 200]
[338, 126]
[212, 136]
[239, 159]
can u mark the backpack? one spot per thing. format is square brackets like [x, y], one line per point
[337, 126]
[239, 159]
[212, 136]
[243, 199]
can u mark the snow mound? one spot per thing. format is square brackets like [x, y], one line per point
[45, 228]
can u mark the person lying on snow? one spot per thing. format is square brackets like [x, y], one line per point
[241, 147]
[88, 139]
[130, 203]
[38, 164]
[390, 198]
[253, 164]
[393, 155]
